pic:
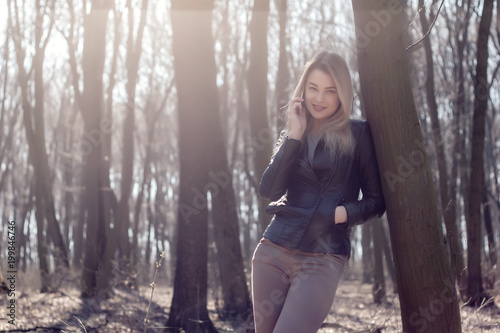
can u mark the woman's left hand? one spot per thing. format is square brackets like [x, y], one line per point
[340, 215]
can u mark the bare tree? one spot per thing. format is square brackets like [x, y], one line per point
[257, 97]
[134, 50]
[195, 75]
[447, 207]
[33, 117]
[283, 75]
[420, 258]
[481, 91]
[92, 107]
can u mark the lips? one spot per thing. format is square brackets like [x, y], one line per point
[318, 108]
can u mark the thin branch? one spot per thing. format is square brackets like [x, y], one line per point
[430, 28]
[415, 17]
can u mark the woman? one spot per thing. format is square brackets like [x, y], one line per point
[314, 180]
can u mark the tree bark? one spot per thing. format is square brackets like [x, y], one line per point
[192, 49]
[481, 90]
[92, 111]
[260, 132]
[423, 270]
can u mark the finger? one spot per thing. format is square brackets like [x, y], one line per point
[296, 99]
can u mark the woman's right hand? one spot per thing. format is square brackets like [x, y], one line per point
[297, 118]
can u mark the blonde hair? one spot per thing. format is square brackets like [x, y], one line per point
[337, 130]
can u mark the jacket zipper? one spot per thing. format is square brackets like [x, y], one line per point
[317, 183]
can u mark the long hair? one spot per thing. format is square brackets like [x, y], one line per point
[337, 129]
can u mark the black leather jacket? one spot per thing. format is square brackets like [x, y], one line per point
[305, 196]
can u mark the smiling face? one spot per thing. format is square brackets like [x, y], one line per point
[321, 97]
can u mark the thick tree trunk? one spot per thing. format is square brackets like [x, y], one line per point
[481, 90]
[192, 49]
[426, 291]
[92, 112]
[260, 131]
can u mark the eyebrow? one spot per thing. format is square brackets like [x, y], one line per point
[314, 84]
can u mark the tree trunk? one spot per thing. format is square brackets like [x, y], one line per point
[197, 97]
[481, 90]
[366, 243]
[426, 292]
[35, 132]
[107, 257]
[226, 229]
[388, 259]
[78, 230]
[134, 50]
[452, 232]
[145, 183]
[459, 169]
[92, 112]
[490, 233]
[490, 192]
[283, 75]
[225, 217]
[378, 276]
[260, 132]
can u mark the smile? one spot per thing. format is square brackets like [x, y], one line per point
[318, 108]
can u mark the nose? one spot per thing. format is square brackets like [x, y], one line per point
[319, 97]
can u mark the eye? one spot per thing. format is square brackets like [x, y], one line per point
[312, 88]
[332, 91]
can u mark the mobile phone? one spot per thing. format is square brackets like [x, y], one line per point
[303, 96]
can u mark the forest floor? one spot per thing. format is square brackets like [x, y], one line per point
[353, 311]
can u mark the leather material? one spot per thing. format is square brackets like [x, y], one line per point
[304, 196]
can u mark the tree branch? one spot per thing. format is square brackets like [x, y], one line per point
[430, 28]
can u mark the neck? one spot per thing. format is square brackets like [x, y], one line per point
[316, 126]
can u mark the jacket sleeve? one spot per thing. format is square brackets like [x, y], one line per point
[274, 179]
[372, 204]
